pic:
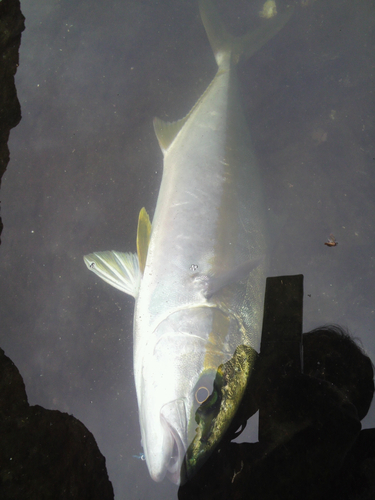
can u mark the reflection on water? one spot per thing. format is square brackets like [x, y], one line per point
[84, 160]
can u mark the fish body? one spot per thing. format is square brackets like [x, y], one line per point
[199, 272]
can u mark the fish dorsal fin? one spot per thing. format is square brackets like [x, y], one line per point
[166, 132]
[143, 238]
[120, 270]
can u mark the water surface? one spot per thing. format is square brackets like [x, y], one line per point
[84, 160]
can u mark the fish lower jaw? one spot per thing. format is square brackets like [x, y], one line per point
[174, 466]
[165, 444]
[173, 456]
[177, 455]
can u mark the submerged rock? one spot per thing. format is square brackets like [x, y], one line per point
[45, 454]
[11, 26]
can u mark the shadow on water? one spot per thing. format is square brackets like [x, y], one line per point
[310, 444]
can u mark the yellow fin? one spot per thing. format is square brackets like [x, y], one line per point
[143, 238]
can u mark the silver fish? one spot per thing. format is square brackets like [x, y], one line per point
[199, 273]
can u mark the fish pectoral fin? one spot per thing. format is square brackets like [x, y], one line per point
[119, 269]
[217, 281]
[143, 238]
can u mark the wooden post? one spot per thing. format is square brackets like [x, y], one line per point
[280, 351]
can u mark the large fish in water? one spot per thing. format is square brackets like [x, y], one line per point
[199, 272]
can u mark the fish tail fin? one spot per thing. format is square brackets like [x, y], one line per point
[242, 47]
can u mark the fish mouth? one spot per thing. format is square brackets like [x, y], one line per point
[173, 419]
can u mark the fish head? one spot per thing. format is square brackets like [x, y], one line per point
[185, 404]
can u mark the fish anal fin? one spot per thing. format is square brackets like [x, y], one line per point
[166, 132]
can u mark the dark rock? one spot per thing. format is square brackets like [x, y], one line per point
[12, 23]
[45, 454]
[13, 398]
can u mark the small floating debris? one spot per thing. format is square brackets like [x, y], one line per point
[331, 242]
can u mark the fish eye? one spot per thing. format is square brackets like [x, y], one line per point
[204, 387]
[202, 394]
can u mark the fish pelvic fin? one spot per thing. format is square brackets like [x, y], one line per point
[120, 270]
[243, 47]
[143, 238]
